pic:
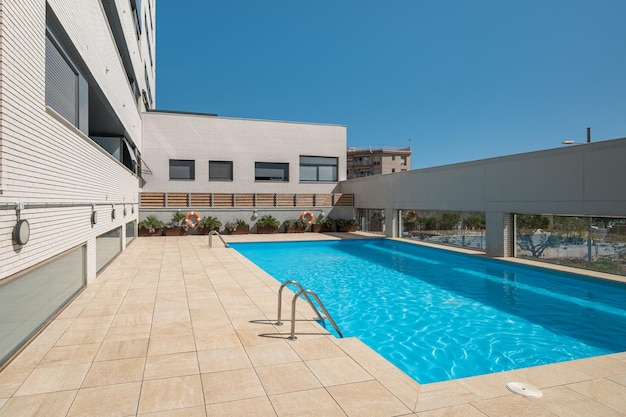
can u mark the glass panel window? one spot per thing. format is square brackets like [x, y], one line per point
[108, 245]
[271, 171]
[220, 170]
[318, 168]
[182, 169]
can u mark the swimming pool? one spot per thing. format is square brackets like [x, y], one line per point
[440, 315]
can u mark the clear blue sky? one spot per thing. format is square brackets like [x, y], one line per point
[462, 79]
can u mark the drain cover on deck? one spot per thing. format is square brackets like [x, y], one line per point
[526, 390]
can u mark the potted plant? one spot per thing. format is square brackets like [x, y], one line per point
[324, 224]
[151, 226]
[295, 225]
[347, 225]
[176, 226]
[238, 227]
[267, 224]
[207, 224]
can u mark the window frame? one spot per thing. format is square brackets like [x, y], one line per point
[317, 166]
[192, 166]
[271, 165]
[221, 179]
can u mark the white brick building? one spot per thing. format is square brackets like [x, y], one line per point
[75, 76]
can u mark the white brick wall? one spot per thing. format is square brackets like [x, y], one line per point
[243, 141]
[42, 158]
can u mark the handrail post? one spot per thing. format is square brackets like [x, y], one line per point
[215, 232]
[293, 313]
[280, 302]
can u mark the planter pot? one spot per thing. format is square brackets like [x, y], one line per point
[294, 229]
[346, 228]
[240, 230]
[320, 228]
[146, 232]
[266, 230]
[175, 231]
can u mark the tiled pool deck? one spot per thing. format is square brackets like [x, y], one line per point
[172, 328]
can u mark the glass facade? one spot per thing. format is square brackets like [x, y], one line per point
[108, 245]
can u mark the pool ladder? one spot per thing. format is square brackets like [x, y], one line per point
[213, 233]
[306, 294]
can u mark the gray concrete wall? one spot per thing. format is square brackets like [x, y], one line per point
[581, 180]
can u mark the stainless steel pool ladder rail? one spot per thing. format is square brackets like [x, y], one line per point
[213, 233]
[306, 294]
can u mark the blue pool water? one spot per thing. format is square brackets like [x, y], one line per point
[439, 315]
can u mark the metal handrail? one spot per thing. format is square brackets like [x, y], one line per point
[293, 313]
[213, 233]
[280, 302]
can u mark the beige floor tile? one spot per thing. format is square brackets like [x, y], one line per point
[465, 410]
[66, 355]
[402, 386]
[443, 394]
[272, 353]
[57, 378]
[167, 345]
[316, 348]
[171, 329]
[123, 349]
[364, 355]
[489, 386]
[132, 319]
[140, 331]
[54, 404]
[257, 407]
[174, 364]
[606, 392]
[312, 403]
[551, 375]
[10, 381]
[82, 337]
[601, 366]
[205, 341]
[368, 398]
[279, 379]
[511, 406]
[565, 402]
[231, 386]
[28, 359]
[223, 360]
[181, 412]
[171, 394]
[337, 371]
[117, 371]
[106, 401]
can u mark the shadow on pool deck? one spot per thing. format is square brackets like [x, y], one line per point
[171, 328]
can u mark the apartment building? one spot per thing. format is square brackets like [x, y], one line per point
[369, 161]
[75, 78]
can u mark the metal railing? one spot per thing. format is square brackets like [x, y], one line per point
[213, 233]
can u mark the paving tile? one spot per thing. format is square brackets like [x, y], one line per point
[443, 394]
[551, 375]
[272, 353]
[66, 355]
[170, 394]
[490, 385]
[465, 410]
[316, 348]
[279, 379]
[565, 402]
[312, 403]
[604, 391]
[234, 385]
[511, 406]
[117, 371]
[337, 371]
[55, 378]
[405, 388]
[123, 349]
[223, 360]
[106, 401]
[601, 366]
[54, 404]
[181, 412]
[368, 398]
[257, 407]
[165, 345]
[173, 364]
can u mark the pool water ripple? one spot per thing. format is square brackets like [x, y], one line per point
[439, 315]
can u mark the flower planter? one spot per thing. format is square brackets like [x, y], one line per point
[346, 228]
[204, 230]
[294, 229]
[320, 228]
[146, 232]
[240, 230]
[175, 231]
[266, 230]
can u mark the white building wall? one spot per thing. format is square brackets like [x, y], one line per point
[243, 141]
[45, 160]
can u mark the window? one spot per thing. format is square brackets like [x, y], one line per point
[220, 170]
[181, 169]
[271, 171]
[318, 168]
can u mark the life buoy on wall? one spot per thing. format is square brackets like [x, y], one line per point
[410, 216]
[311, 217]
[192, 214]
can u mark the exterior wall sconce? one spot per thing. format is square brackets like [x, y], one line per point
[322, 214]
[255, 214]
[132, 209]
[124, 210]
[112, 212]
[21, 232]
[94, 214]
